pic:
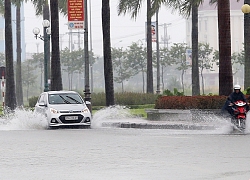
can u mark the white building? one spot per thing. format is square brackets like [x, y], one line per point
[208, 25]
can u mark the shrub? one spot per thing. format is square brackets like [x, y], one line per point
[248, 91]
[126, 98]
[175, 93]
[190, 102]
[32, 101]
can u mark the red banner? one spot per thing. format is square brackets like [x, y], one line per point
[75, 14]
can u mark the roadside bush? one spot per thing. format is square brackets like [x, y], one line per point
[174, 93]
[190, 102]
[130, 99]
[32, 101]
[126, 98]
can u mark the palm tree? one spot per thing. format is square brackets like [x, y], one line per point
[150, 88]
[185, 8]
[19, 87]
[108, 69]
[56, 77]
[133, 6]
[10, 95]
[225, 66]
[195, 42]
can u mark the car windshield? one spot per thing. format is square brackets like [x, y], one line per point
[67, 98]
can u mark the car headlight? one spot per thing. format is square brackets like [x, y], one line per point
[54, 111]
[86, 110]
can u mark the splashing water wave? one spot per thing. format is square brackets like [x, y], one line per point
[29, 120]
[23, 120]
[113, 113]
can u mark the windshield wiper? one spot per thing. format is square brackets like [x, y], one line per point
[77, 102]
[67, 102]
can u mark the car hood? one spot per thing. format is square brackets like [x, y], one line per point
[68, 107]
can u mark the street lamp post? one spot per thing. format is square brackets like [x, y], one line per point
[46, 39]
[246, 10]
[87, 93]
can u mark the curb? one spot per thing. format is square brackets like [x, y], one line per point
[158, 126]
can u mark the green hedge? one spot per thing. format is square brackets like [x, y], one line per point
[190, 102]
[126, 99]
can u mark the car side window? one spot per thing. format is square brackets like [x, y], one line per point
[42, 99]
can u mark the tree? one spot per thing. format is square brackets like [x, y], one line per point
[237, 60]
[56, 78]
[19, 87]
[37, 62]
[2, 60]
[185, 8]
[165, 61]
[178, 54]
[28, 75]
[195, 40]
[205, 62]
[73, 62]
[137, 58]
[121, 65]
[225, 66]
[10, 95]
[108, 68]
[134, 6]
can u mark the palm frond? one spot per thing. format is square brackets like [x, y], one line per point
[129, 6]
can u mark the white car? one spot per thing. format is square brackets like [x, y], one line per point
[63, 108]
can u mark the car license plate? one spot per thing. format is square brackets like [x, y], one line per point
[71, 118]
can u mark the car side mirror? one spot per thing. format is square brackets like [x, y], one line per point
[42, 104]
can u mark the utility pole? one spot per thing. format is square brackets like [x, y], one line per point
[158, 56]
[165, 40]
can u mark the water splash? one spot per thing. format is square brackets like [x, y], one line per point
[112, 113]
[23, 120]
[220, 122]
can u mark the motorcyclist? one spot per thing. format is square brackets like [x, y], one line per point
[237, 95]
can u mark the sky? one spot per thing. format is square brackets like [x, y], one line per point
[124, 30]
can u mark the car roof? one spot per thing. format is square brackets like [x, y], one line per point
[61, 92]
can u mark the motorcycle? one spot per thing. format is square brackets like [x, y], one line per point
[238, 118]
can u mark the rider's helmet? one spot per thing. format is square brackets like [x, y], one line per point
[237, 87]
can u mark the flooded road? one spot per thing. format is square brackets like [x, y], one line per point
[30, 151]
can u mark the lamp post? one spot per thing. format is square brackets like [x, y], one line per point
[46, 39]
[246, 10]
[87, 93]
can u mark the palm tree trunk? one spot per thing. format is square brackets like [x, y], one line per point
[19, 88]
[10, 95]
[182, 80]
[56, 78]
[225, 66]
[202, 81]
[162, 78]
[149, 50]
[108, 68]
[195, 64]
[143, 82]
